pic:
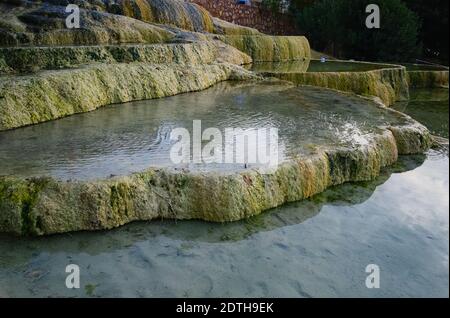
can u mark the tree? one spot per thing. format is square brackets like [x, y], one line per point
[338, 27]
[272, 5]
[434, 32]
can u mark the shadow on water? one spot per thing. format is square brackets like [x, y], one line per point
[95, 243]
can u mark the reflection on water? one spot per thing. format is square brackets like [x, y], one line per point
[430, 107]
[314, 248]
[132, 137]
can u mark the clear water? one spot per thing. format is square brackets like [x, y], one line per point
[127, 138]
[314, 248]
[314, 66]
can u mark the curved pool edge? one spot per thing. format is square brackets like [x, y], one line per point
[51, 95]
[43, 206]
[428, 79]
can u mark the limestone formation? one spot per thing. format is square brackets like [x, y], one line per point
[41, 23]
[428, 79]
[33, 59]
[51, 95]
[264, 48]
[389, 83]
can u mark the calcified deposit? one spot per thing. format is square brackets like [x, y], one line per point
[137, 50]
[428, 76]
[388, 82]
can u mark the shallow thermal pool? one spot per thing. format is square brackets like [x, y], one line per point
[127, 138]
[315, 66]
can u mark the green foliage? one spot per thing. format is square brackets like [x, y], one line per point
[338, 27]
[300, 4]
[434, 32]
[272, 5]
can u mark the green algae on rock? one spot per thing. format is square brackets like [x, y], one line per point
[107, 22]
[389, 82]
[74, 54]
[32, 59]
[126, 138]
[41, 23]
[185, 15]
[227, 28]
[50, 95]
[270, 48]
[428, 79]
[86, 68]
[427, 75]
[182, 14]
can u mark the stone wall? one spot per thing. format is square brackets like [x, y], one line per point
[251, 16]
